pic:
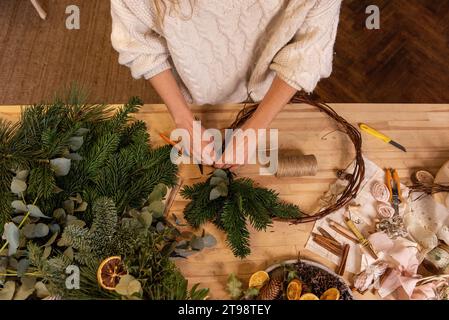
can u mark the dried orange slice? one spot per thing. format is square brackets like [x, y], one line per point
[331, 294]
[294, 290]
[258, 279]
[110, 271]
[309, 296]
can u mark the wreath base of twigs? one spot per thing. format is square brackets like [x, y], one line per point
[358, 174]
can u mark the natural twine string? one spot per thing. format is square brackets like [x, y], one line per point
[358, 174]
[293, 164]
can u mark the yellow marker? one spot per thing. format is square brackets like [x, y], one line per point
[380, 136]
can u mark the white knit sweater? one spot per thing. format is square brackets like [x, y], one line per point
[226, 51]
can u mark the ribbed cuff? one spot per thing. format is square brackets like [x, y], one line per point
[158, 69]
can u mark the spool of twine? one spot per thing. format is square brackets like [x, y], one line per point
[293, 164]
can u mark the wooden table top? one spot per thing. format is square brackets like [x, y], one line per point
[422, 129]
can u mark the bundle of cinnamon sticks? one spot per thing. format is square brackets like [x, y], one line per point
[326, 241]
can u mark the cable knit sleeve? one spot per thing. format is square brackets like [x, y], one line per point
[140, 48]
[308, 57]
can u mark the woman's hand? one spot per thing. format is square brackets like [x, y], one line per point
[196, 151]
[167, 87]
[277, 97]
[243, 150]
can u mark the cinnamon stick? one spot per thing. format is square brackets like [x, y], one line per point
[328, 247]
[333, 243]
[327, 234]
[344, 258]
[342, 230]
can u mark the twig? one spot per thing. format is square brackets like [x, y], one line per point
[39, 9]
[172, 196]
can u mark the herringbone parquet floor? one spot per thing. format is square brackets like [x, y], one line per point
[405, 61]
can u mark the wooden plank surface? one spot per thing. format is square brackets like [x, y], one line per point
[422, 129]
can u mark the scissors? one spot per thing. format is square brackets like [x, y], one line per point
[173, 143]
[394, 186]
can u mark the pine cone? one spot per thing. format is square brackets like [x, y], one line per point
[273, 289]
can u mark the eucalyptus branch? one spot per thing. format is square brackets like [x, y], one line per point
[20, 225]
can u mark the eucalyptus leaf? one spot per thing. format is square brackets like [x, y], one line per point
[22, 267]
[76, 143]
[157, 209]
[19, 206]
[220, 174]
[61, 166]
[74, 157]
[78, 199]
[216, 180]
[11, 234]
[69, 253]
[46, 253]
[209, 241]
[55, 228]
[60, 215]
[41, 290]
[22, 175]
[41, 230]
[26, 289]
[7, 292]
[214, 194]
[82, 207]
[69, 206]
[146, 218]
[158, 193]
[82, 131]
[28, 230]
[197, 243]
[36, 212]
[18, 186]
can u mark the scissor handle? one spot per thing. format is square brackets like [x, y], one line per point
[389, 180]
[397, 180]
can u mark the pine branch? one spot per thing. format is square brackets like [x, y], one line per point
[235, 225]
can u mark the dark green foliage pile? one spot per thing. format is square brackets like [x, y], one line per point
[105, 201]
[230, 204]
[112, 158]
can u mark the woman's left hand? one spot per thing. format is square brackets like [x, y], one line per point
[242, 151]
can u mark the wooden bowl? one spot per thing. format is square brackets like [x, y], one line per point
[333, 279]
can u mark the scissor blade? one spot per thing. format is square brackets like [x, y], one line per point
[397, 145]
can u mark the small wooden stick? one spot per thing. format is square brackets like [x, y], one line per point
[342, 230]
[39, 9]
[344, 258]
[171, 197]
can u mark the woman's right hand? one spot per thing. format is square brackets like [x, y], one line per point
[196, 151]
